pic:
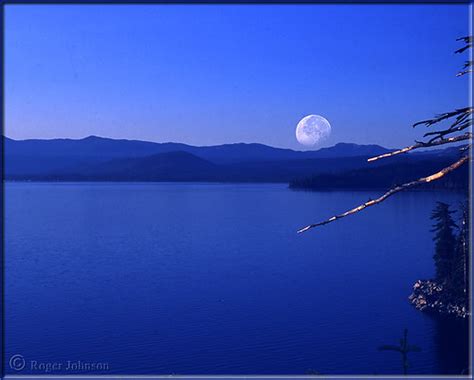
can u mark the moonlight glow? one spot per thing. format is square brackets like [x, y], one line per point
[312, 129]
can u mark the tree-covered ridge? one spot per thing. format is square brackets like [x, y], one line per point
[386, 176]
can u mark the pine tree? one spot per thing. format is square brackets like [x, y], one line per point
[462, 259]
[445, 243]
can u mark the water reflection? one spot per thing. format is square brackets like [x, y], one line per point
[451, 342]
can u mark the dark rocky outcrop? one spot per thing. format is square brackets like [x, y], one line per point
[429, 296]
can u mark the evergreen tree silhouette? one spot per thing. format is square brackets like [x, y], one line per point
[461, 273]
[445, 243]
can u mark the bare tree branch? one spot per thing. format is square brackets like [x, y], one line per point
[463, 120]
[466, 136]
[466, 69]
[461, 73]
[467, 40]
[468, 63]
[461, 112]
[405, 186]
[440, 135]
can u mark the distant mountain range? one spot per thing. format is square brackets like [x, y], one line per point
[102, 159]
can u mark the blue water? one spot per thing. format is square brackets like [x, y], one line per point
[212, 279]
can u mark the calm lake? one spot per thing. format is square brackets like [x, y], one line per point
[164, 278]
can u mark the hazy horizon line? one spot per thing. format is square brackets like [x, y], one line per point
[177, 142]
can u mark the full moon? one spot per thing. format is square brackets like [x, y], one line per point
[312, 129]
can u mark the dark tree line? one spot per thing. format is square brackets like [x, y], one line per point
[387, 176]
[452, 253]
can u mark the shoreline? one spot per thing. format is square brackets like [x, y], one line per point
[325, 190]
[427, 296]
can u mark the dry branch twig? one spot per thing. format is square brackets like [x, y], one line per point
[466, 136]
[459, 113]
[433, 177]
[467, 40]
[461, 73]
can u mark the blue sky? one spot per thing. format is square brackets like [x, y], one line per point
[213, 74]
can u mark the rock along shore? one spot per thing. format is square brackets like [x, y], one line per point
[428, 296]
